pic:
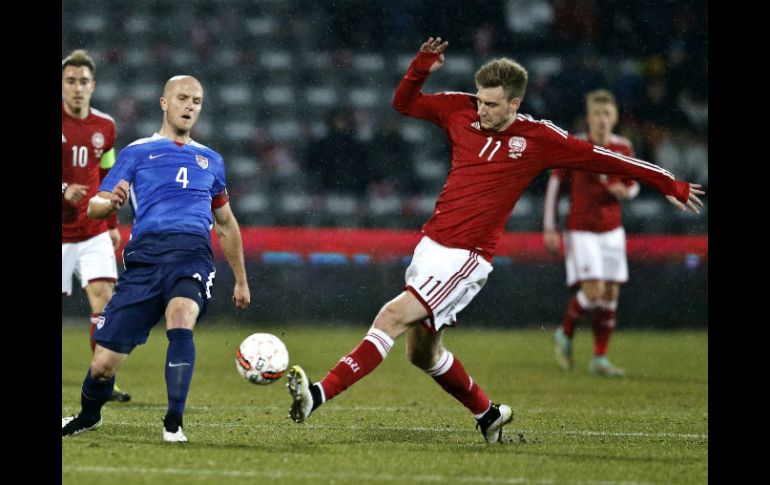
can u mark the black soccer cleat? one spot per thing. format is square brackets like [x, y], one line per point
[72, 425]
[119, 396]
[491, 424]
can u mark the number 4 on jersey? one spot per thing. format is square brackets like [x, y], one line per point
[181, 177]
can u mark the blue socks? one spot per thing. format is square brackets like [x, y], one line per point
[180, 361]
[94, 394]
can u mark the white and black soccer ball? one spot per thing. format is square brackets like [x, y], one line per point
[261, 358]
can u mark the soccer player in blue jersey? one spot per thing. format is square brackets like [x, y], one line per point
[176, 188]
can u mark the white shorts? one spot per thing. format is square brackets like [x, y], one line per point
[445, 280]
[92, 259]
[596, 256]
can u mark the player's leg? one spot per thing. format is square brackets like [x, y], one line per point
[615, 271]
[133, 310]
[97, 270]
[425, 350]
[182, 312]
[583, 265]
[96, 390]
[392, 320]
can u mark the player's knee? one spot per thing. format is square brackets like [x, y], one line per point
[391, 320]
[102, 369]
[101, 291]
[612, 292]
[593, 290]
[423, 358]
[181, 315]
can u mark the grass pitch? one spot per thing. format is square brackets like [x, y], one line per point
[397, 425]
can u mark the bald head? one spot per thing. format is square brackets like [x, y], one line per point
[171, 83]
[181, 104]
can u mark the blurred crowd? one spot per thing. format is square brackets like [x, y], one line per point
[298, 92]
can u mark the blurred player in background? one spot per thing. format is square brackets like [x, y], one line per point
[594, 241]
[496, 153]
[177, 191]
[87, 154]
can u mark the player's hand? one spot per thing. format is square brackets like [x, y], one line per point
[619, 191]
[692, 202]
[435, 46]
[551, 241]
[116, 239]
[241, 296]
[120, 194]
[75, 193]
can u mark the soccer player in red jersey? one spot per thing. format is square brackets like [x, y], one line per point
[496, 152]
[594, 240]
[87, 153]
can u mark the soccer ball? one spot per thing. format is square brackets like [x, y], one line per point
[261, 358]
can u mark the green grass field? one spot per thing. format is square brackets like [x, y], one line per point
[397, 425]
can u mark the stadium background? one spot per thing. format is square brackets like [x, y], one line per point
[298, 102]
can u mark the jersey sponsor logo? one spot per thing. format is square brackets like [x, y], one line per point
[153, 157]
[476, 125]
[97, 140]
[203, 162]
[516, 146]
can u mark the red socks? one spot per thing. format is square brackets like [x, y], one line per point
[357, 364]
[604, 323]
[451, 376]
[578, 306]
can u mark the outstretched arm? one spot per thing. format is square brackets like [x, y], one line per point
[229, 234]
[409, 100]
[566, 151]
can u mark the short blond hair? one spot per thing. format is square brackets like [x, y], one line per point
[506, 73]
[600, 96]
[79, 58]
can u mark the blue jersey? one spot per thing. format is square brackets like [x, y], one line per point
[171, 189]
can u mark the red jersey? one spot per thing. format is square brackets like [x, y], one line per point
[83, 143]
[491, 169]
[592, 207]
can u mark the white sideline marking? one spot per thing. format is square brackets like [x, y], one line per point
[333, 476]
[629, 434]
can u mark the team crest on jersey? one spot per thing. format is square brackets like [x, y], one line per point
[516, 146]
[203, 162]
[99, 322]
[63, 139]
[476, 125]
[97, 140]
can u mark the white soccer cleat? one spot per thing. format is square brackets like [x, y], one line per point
[562, 346]
[602, 366]
[491, 424]
[177, 436]
[299, 388]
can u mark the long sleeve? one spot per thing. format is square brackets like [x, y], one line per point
[566, 151]
[409, 99]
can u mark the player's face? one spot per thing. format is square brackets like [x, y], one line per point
[182, 104]
[77, 86]
[495, 111]
[602, 118]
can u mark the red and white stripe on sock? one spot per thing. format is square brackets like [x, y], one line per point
[451, 376]
[605, 317]
[578, 306]
[358, 363]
